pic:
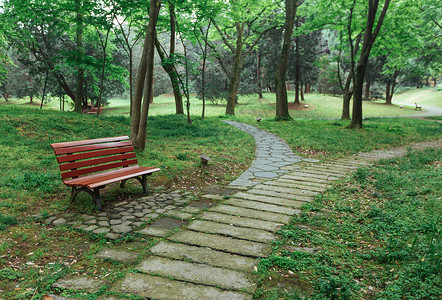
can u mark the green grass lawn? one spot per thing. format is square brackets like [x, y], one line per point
[425, 96]
[319, 106]
[378, 236]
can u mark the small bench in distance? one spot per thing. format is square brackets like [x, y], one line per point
[90, 165]
[418, 107]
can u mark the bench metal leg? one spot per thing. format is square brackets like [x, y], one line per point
[141, 179]
[95, 195]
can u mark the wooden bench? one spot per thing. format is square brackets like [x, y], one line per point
[90, 165]
[418, 107]
[94, 110]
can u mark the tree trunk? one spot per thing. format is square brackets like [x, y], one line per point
[144, 81]
[307, 88]
[234, 78]
[346, 105]
[131, 79]
[369, 38]
[171, 71]
[44, 89]
[173, 75]
[297, 67]
[302, 92]
[258, 74]
[282, 111]
[367, 89]
[80, 53]
[388, 93]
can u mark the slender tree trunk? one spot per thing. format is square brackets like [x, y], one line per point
[234, 78]
[80, 54]
[144, 81]
[387, 93]
[282, 111]
[171, 71]
[258, 73]
[173, 76]
[369, 38]
[307, 88]
[346, 105]
[297, 67]
[44, 89]
[367, 89]
[131, 78]
[302, 92]
[203, 73]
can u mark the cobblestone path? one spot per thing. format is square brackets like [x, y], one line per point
[215, 252]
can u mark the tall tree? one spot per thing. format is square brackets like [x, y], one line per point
[372, 29]
[282, 111]
[80, 54]
[143, 86]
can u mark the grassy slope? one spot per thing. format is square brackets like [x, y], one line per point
[379, 238]
[421, 96]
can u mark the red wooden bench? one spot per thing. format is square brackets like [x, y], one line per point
[94, 110]
[417, 107]
[92, 164]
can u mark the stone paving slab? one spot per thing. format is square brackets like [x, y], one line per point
[321, 170]
[257, 196]
[310, 175]
[252, 213]
[274, 194]
[303, 182]
[198, 273]
[165, 289]
[117, 255]
[80, 283]
[205, 255]
[297, 186]
[154, 231]
[222, 243]
[179, 214]
[241, 221]
[262, 206]
[249, 234]
[298, 177]
[287, 190]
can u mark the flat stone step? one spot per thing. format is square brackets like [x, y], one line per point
[283, 195]
[298, 177]
[117, 255]
[309, 174]
[154, 287]
[351, 162]
[341, 166]
[304, 182]
[262, 206]
[242, 233]
[198, 273]
[298, 185]
[270, 198]
[252, 213]
[288, 190]
[320, 169]
[205, 255]
[241, 221]
[222, 243]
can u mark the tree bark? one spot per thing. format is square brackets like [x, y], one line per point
[80, 53]
[234, 77]
[369, 38]
[282, 111]
[143, 87]
[173, 75]
[302, 92]
[297, 67]
[388, 93]
[258, 74]
[346, 105]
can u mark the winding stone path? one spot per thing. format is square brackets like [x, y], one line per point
[214, 254]
[272, 153]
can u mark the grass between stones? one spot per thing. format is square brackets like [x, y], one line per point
[378, 237]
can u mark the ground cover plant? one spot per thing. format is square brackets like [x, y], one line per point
[327, 139]
[374, 235]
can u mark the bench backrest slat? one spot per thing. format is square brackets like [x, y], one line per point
[81, 158]
[99, 168]
[93, 147]
[96, 161]
[93, 154]
[88, 142]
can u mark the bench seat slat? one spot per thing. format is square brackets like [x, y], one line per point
[99, 168]
[92, 147]
[96, 161]
[92, 154]
[96, 180]
[89, 142]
